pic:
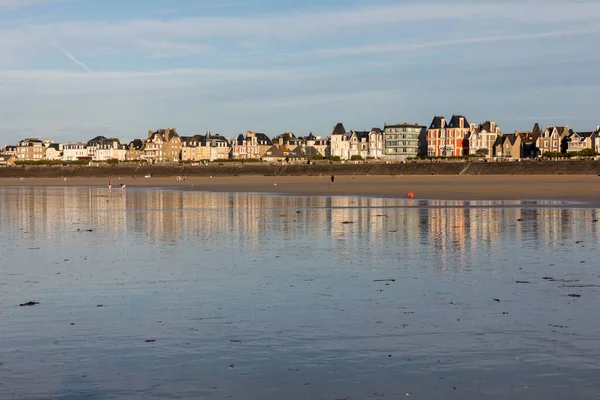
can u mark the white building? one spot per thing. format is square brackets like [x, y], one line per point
[75, 151]
[482, 139]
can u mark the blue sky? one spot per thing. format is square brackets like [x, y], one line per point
[72, 69]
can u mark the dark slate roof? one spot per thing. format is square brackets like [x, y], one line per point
[362, 134]
[263, 139]
[529, 137]
[55, 146]
[275, 151]
[97, 139]
[436, 123]
[486, 126]
[583, 134]
[162, 132]
[240, 139]
[136, 144]
[189, 139]
[311, 137]
[455, 122]
[339, 129]
[511, 138]
[304, 152]
[378, 130]
[536, 128]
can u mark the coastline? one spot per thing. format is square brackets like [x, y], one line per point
[574, 188]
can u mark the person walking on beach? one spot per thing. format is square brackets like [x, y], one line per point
[122, 189]
[332, 179]
[109, 185]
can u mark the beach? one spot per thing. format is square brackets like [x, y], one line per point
[585, 188]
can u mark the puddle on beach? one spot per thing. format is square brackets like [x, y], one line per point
[183, 295]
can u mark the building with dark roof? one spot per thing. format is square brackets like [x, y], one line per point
[448, 139]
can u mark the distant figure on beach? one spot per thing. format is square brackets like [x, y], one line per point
[109, 185]
[122, 186]
[332, 179]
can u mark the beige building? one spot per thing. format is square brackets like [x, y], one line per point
[164, 145]
[508, 146]
[31, 149]
[206, 147]
[54, 151]
[134, 150]
[7, 160]
[553, 139]
[9, 150]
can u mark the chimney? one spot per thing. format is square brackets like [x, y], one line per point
[150, 133]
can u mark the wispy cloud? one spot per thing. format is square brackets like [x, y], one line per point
[396, 47]
[75, 60]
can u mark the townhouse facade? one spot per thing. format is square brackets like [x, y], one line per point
[448, 139]
[482, 139]
[376, 144]
[553, 139]
[206, 147]
[508, 146]
[253, 146]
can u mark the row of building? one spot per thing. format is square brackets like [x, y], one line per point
[454, 138]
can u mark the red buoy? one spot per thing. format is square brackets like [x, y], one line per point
[411, 195]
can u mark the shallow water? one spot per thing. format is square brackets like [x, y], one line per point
[267, 297]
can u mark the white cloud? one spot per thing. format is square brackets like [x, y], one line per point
[185, 36]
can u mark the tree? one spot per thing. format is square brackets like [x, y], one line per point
[482, 152]
[587, 153]
[356, 157]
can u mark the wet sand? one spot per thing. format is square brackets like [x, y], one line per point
[584, 188]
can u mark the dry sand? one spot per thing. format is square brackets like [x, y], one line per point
[504, 187]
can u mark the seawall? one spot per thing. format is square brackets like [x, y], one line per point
[420, 168]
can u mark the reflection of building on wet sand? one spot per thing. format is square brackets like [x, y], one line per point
[67, 209]
[252, 219]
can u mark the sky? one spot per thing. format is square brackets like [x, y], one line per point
[74, 69]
